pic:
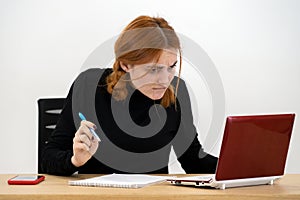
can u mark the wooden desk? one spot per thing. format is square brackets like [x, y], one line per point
[55, 187]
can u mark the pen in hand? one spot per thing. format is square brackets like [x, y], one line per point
[82, 117]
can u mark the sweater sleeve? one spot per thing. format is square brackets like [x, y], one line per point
[56, 156]
[188, 149]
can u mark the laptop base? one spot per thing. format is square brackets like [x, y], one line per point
[211, 182]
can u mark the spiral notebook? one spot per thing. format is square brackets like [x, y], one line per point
[121, 181]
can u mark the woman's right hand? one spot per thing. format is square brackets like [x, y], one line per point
[85, 144]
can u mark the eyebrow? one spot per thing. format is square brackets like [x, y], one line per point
[159, 65]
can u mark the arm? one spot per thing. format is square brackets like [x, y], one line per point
[190, 153]
[195, 160]
[68, 148]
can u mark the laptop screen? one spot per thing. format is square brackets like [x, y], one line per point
[254, 146]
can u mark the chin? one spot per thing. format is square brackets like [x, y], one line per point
[156, 97]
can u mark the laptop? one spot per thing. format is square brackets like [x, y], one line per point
[253, 152]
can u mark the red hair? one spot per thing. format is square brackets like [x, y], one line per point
[143, 40]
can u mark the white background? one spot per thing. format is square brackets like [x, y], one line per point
[254, 44]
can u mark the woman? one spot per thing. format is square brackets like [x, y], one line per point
[142, 111]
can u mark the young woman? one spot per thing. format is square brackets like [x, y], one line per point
[142, 110]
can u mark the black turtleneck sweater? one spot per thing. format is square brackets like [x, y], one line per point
[127, 145]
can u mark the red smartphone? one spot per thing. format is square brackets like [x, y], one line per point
[26, 180]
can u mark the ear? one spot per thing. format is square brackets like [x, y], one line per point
[124, 66]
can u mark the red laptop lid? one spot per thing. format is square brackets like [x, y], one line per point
[254, 146]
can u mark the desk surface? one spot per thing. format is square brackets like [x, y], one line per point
[55, 187]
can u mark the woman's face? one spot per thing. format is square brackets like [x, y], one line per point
[153, 79]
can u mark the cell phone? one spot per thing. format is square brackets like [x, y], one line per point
[26, 180]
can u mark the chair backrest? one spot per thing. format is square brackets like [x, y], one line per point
[49, 111]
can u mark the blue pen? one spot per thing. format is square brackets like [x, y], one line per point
[82, 117]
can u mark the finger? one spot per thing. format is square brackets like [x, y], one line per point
[85, 139]
[84, 130]
[95, 142]
[88, 124]
[81, 137]
[77, 138]
[81, 147]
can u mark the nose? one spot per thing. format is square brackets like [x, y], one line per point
[163, 76]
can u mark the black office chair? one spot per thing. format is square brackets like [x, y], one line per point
[49, 110]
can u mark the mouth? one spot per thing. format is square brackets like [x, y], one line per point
[159, 88]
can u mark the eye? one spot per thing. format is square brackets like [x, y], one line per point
[174, 65]
[153, 69]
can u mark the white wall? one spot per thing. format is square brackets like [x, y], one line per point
[254, 44]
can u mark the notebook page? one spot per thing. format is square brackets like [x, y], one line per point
[121, 180]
